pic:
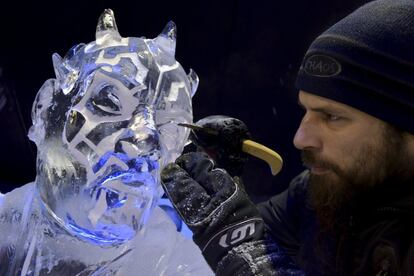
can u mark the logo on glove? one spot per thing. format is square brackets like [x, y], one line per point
[234, 236]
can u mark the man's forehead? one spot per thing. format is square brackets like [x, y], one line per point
[315, 102]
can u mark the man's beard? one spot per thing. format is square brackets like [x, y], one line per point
[334, 194]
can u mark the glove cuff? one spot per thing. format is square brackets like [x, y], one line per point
[222, 242]
[260, 257]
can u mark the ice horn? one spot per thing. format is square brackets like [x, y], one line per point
[167, 38]
[194, 80]
[58, 66]
[65, 75]
[106, 25]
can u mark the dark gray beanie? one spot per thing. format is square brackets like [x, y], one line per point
[366, 61]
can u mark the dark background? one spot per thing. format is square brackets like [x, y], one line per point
[246, 54]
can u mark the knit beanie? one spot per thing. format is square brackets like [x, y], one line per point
[366, 61]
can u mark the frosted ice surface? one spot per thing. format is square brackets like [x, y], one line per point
[38, 247]
[103, 129]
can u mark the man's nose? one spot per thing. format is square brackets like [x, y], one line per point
[308, 135]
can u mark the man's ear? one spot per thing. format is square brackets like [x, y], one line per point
[194, 80]
[40, 106]
[409, 138]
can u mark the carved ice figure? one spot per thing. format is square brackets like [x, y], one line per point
[103, 128]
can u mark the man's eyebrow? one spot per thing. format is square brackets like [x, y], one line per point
[323, 109]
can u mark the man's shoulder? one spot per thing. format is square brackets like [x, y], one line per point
[17, 198]
[286, 212]
[16, 215]
[16, 208]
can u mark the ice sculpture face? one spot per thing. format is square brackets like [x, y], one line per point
[105, 126]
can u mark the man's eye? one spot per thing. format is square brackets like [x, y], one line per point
[332, 117]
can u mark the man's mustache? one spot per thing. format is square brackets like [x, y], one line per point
[310, 159]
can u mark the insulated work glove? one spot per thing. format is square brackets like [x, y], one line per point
[212, 204]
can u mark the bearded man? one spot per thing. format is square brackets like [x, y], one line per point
[352, 211]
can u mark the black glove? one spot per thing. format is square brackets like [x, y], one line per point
[214, 207]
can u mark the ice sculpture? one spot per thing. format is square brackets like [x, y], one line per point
[103, 128]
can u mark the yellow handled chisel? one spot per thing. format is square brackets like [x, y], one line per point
[227, 140]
